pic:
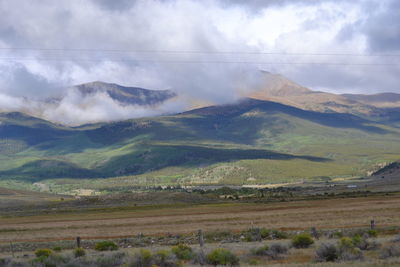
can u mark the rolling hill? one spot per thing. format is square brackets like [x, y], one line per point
[253, 141]
[383, 100]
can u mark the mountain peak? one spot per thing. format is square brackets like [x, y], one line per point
[280, 89]
[126, 95]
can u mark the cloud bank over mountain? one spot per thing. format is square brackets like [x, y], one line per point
[208, 51]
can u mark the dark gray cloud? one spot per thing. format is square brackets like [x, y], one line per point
[116, 5]
[17, 81]
[383, 28]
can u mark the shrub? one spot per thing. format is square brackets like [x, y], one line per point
[277, 249]
[111, 260]
[221, 256]
[105, 245]
[254, 262]
[364, 243]
[279, 234]
[337, 234]
[346, 243]
[350, 254]
[396, 239]
[303, 240]
[164, 258]
[390, 251]
[348, 251]
[183, 252]
[143, 258]
[55, 260]
[357, 241]
[57, 249]
[265, 233]
[79, 252]
[372, 233]
[43, 252]
[217, 235]
[326, 252]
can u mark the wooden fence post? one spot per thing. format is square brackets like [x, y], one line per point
[314, 233]
[201, 238]
[372, 224]
[258, 234]
[202, 257]
[12, 249]
[78, 241]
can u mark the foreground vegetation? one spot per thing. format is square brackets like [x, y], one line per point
[356, 248]
[240, 226]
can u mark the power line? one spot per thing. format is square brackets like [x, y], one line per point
[195, 52]
[200, 61]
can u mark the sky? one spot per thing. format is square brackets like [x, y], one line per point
[209, 51]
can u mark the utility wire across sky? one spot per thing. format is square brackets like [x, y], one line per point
[155, 61]
[197, 52]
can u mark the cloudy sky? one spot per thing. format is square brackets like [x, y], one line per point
[203, 49]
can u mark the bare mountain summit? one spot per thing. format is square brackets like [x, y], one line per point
[278, 88]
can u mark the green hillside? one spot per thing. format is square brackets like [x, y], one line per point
[249, 142]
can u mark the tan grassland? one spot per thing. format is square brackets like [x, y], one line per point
[113, 223]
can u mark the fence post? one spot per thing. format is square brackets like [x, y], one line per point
[202, 257]
[314, 233]
[372, 224]
[201, 238]
[258, 234]
[12, 249]
[78, 241]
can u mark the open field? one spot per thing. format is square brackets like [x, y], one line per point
[158, 220]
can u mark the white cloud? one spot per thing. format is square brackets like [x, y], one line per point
[133, 27]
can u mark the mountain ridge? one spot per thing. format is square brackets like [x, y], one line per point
[256, 133]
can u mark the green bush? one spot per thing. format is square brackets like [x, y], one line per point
[372, 233]
[43, 252]
[105, 245]
[266, 233]
[363, 243]
[142, 259]
[162, 254]
[221, 256]
[346, 243]
[183, 252]
[337, 234]
[79, 252]
[348, 251]
[57, 249]
[276, 234]
[254, 262]
[260, 251]
[303, 240]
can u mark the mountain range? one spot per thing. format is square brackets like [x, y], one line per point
[283, 133]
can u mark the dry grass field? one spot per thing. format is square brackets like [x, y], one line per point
[156, 220]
